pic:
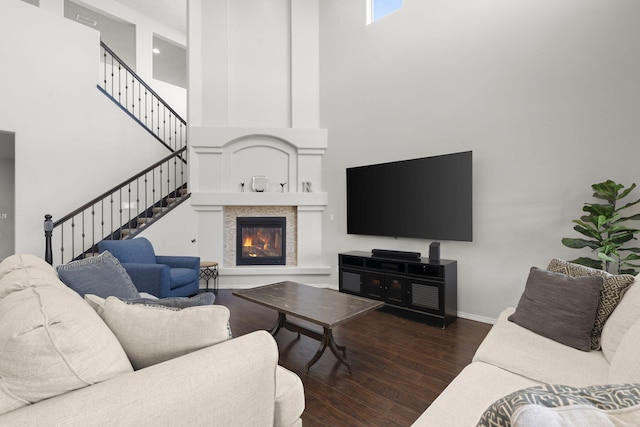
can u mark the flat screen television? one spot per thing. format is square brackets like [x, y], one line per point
[424, 198]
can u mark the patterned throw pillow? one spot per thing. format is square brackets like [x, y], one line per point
[612, 292]
[608, 397]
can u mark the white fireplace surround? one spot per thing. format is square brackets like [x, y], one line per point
[223, 158]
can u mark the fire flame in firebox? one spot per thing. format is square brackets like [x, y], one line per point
[248, 243]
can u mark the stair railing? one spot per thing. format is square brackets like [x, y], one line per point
[125, 88]
[120, 213]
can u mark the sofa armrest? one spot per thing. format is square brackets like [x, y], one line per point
[153, 279]
[231, 383]
[191, 262]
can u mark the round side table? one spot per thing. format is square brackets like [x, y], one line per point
[208, 271]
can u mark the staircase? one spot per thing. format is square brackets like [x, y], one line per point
[135, 204]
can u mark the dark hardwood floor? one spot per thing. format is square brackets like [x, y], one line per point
[399, 365]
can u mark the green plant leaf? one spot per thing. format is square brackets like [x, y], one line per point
[622, 229]
[607, 190]
[634, 250]
[619, 240]
[626, 192]
[589, 232]
[596, 209]
[635, 217]
[605, 257]
[588, 262]
[580, 243]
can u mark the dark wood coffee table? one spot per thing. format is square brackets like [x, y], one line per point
[325, 307]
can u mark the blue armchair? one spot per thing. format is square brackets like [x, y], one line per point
[162, 276]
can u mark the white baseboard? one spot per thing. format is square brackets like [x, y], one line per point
[477, 318]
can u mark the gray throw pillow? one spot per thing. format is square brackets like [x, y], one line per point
[205, 298]
[559, 307]
[101, 275]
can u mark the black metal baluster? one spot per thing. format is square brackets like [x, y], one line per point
[146, 109]
[138, 212]
[93, 229]
[158, 121]
[146, 196]
[112, 78]
[62, 243]
[120, 210]
[111, 215]
[73, 236]
[153, 186]
[119, 83]
[83, 234]
[170, 135]
[104, 76]
[101, 219]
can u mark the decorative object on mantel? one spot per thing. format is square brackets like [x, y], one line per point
[259, 183]
[242, 187]
[282, 184]
[606, 230]
[306, 186]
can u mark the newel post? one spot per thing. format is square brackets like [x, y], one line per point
[48, 232]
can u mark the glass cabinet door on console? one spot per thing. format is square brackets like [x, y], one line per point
[394, 290]
[373, 285]
[384, 287]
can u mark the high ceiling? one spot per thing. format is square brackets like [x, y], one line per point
[170, 12]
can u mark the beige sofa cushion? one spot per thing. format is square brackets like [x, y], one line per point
[52, 342]
[624, 316]
[526, 353]
[153, 334]
[464, 401]
[289, 397]
[625, 366]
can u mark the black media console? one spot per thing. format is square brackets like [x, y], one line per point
[416, 285]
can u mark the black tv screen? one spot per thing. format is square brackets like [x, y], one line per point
[426, 198]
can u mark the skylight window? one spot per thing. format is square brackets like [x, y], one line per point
[377, 9]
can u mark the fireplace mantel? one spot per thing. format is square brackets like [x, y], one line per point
[205, 201]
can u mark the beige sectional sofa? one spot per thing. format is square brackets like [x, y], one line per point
[62, 364]
[497, 386]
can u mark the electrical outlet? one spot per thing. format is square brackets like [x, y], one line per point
[3, 216]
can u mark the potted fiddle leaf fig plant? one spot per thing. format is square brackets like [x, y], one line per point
[605, 230]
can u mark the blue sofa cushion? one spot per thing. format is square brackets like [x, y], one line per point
[134, 251]
[100, 275]
[182, 276]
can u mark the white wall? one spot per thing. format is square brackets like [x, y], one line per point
[71, 142]
[545, 93]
